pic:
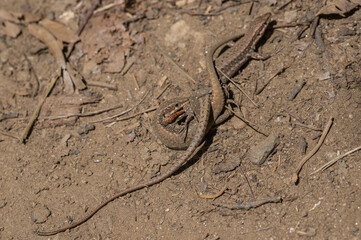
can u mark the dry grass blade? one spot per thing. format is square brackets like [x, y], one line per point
[330, 163]
[59, 30]
[35, 114]
[239, 88]
[49, 40]
[124, 112]
[313, 151]
[213, 196]
[177, 66]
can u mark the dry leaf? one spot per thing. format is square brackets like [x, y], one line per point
[68, 82]
[340, 7]
[43, 35]
[10, 29]
[49, 40]
[5, 15]
[60, 31]
[30, 18]
[76, 77]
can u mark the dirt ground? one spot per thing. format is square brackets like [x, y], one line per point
[68, 166]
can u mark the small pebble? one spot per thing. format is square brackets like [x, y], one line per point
[303, 144]
[3, 202]
[86, 129]
[296, 90]
[40, 214]
[258, 154]
[324, 76]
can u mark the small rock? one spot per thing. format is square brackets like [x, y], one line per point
[259, 153]
[344, 31]
[290, 16]
[324, 76]
[144, 154]
[311, 232]
[303, 144]
[40, 214]
[130, 137]
[64, 140]
[3, 202]
[86, 129]
[272, 2]
[296, 90]
[354, 230]
[73, 152]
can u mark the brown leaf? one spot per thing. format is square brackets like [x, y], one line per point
[76, 77]
[68, 83]
[59, 30]
[48, 39]
[10, 29]
[5, 15]
[30, 18]
[340, 7]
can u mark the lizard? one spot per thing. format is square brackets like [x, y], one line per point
[227, 64]
[210, 109]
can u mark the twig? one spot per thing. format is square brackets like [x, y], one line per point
[239, 88]
[249, 205]
[246, 121]
[163, 90]
[106, 7]
[134, 18]
[286, 25]
[101, 84]
[213, 196]
[284, 5]
[249, 185]
[330, 163]
[176, 65]
[82, 26]
[218, 11]
[274, 75]
[8, 135]
[313, 151]
[35, 114]
[82, 114]
[299, 33]
[136, 114]
[128, 65]
[313, 26]
[135, 81]
[6, 116]
[124, 112]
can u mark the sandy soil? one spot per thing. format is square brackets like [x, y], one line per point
[67, 167]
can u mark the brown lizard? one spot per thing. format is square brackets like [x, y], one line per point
[205, 121]
[227, 64]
